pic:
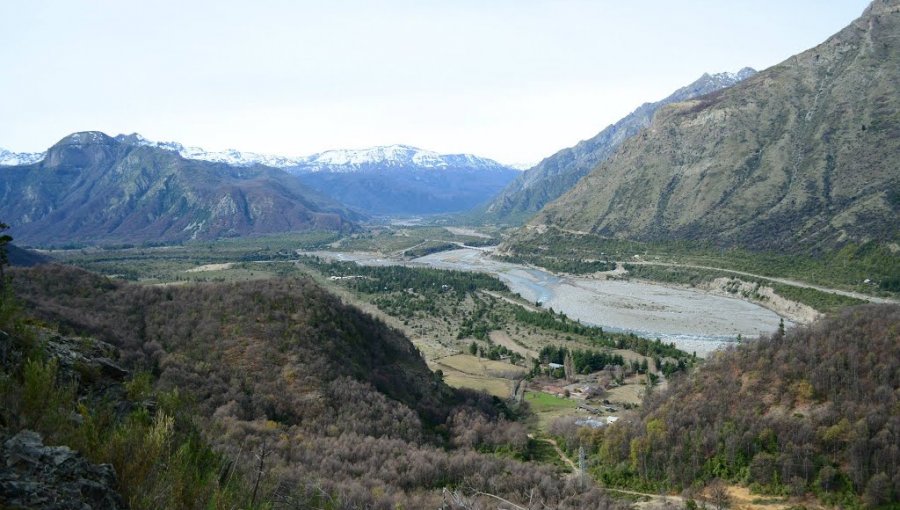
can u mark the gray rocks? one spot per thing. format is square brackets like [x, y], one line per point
[53, 477]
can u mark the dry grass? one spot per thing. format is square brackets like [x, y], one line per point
[503, 338]
[481, 367]
[627, 394]
[495, 386]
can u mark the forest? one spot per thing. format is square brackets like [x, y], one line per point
[811, 410]
[274, 388]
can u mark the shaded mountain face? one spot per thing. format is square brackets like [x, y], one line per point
[402, 180]
[25, 258]
[553, 176]
[384, 180]
[93, 188]
[800, 157]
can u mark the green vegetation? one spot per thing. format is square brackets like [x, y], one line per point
[377, 279]
[596, 336]
[280, 370]
[401, 239]
[171, 263]
[561, 265]
[584, 361]
[149, 436]
[542, 451]
[812, 411]
[428, 248]
[542, 402]
[406, 292]
[822, 301]
[845, 269]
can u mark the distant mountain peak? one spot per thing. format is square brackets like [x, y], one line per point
[550, 178]
[85, 138]
[9, 158]
[391, 156]
[231, 157]
[731, 78]
[338, 160]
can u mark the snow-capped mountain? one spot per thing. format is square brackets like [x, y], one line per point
[230, 156]
[8, 158]
[386, 180]
[390, 157]
[340, 160]
[726, 79]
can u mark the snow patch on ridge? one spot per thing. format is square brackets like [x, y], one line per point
[9, 158]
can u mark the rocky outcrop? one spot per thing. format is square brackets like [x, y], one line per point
[33, 475]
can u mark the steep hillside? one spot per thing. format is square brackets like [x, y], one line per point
[307, 398]
[93, 188]
[385, 180]
[399, 180]
[812, 410]
[555, 175]
[25, 258]
[800, 157]
[326, 339]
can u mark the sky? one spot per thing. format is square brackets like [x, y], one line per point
[513, 80]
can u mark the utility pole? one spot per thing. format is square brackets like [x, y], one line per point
[581, 463]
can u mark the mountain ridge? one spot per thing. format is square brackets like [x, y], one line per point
[391, 155]
[91, 187]
[800, 157]
[558, 173]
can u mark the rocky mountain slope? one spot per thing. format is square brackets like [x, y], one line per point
[398, 179]
[384, 180]
[94, 188]
[802, 156]
[555, 175]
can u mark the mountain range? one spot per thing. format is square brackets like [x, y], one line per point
[799, 157]
[91, 188]
[557, 174]
[399, 179]
[384, 180]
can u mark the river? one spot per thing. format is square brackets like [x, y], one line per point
[694, 320]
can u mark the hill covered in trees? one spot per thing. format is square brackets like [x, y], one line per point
[297, 397]
[813, 410]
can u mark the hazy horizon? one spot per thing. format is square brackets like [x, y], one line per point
[512, 81]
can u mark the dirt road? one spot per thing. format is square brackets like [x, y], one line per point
[785, 281]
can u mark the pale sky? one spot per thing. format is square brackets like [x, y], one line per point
[513, 80]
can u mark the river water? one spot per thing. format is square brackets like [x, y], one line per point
[694, 320]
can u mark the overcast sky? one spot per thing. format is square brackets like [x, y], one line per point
[512, 80]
